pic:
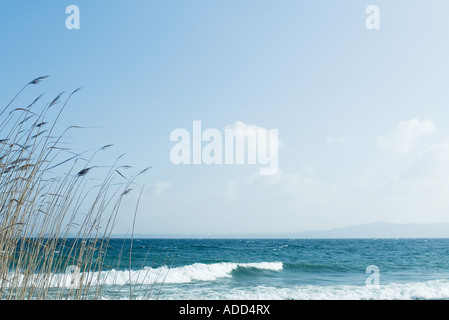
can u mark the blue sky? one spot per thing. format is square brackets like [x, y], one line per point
[362, 114]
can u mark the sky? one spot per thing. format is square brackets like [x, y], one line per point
[361, 114]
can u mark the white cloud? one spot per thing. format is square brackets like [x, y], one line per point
[281, 183]
[414, 186]
[159, 187]
[440, 149]
[266, 152]
[405, 136]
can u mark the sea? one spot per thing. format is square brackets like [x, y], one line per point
[276, 269]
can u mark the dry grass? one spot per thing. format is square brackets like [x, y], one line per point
[52, 221]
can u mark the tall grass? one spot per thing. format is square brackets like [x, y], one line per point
[53, 219]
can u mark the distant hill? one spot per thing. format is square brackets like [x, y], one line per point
[381, 230]
[368, 230]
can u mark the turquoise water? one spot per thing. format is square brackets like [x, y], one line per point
[285, 269]
[274, 269]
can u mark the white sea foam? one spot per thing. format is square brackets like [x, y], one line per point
[185, 274]
[172, 285]
[434, 289]
[205, 276]
[164, 274]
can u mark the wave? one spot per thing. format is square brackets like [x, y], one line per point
[430, 290]
[189, 273]
[200, 274]
[147, 275]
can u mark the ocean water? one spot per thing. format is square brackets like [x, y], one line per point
[276, 269]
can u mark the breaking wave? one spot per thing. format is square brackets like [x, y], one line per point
[147, 275]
